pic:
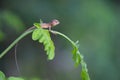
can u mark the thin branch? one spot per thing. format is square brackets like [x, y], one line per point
[56, 32]
[16, 41]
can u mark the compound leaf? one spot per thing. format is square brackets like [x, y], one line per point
[77, 56]
[43, 36]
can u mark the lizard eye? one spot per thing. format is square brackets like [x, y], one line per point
[55, 22]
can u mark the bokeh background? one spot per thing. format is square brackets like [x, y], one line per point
[95, 23]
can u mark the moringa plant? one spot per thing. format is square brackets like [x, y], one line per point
[42, 35]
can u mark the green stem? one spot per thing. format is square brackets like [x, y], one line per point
[84, 73]
[56, 32]
[14, 42]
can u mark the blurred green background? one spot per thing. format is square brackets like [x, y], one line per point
[95, 23]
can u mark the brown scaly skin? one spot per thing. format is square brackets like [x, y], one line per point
[50, 24]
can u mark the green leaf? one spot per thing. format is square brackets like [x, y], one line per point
[2, 76]
[15, 78]
[37, 25]
[85, 75]
[43, 36]
[76, 55]
[36, 34]
[51, 49]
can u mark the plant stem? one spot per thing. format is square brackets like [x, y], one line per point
[56, 32]
[84, 73]
[14, 42]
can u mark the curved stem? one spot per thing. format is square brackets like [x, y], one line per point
[14, 42]
[84, 73]
[56, 32]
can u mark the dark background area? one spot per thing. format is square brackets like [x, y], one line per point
[95, 23]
